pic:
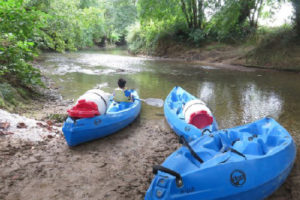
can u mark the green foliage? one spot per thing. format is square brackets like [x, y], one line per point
[204, 20]
[9, 96]
[157, 20]
[59, 25]
[197, 36]
[18, 27]
[119, 14]
[57, 118]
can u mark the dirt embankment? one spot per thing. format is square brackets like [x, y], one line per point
[271, 56]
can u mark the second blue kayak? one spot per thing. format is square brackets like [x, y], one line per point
[173, 109]
[247, 162]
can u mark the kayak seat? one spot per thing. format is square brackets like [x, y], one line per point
[258, 146]
[184, 98]
[254, 148]
[174, 97]
[116, 107]
[213, 144]
[272, 142]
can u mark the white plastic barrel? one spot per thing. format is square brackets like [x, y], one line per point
[197, 113]
[97, 96]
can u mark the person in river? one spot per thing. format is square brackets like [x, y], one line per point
[122, 94]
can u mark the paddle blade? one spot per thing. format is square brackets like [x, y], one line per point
[154, 102]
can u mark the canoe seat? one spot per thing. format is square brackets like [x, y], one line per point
[174, 97]
[258, 146]
[213, 144]
[116, 107]
[254, 148]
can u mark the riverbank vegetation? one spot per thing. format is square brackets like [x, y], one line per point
[28, 27]
[200, 23]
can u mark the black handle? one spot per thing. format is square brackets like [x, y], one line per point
[205, 131]
[237, 152]
[185, 143]
[226, 149]
[179, 182]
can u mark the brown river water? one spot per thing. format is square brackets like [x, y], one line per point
[119, 166]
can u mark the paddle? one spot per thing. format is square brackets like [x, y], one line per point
[153, 102]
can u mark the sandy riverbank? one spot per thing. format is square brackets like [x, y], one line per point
[116, 167]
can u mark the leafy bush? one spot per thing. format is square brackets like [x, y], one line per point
[18, 27]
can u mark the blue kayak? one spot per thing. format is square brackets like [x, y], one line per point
[173, 109]
[118, 116]
[247, 162]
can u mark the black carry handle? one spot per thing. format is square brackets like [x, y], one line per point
[179, 182]
[237, 152]
[205, 131]
[185, 143]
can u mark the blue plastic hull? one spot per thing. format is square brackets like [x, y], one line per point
[118, 116]
[269, 153]
[173, 113]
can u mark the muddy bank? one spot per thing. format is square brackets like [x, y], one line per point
[115, 167]
[236, 57]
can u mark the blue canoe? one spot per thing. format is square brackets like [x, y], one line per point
[173, 113]
[118, 116]
[247, 162]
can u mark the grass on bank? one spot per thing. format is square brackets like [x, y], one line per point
[277, 48]
[14, 98]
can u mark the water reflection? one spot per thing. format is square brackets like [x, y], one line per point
[206, 91]
[257, 104]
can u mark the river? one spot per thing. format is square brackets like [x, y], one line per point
[235, 96]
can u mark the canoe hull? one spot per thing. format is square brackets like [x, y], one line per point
[87, 129]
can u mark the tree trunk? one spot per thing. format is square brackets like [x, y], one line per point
[245, 8]
[200, 13]
[184, 10]
[193, 12]
[296, 5]
[194, 4]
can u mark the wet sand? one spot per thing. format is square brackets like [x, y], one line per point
[116, 167]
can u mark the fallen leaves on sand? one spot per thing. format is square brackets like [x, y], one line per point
[50, 136]
[4, 125]
[21, 125]
[50, 123]
[48, 126]
[6, 133]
